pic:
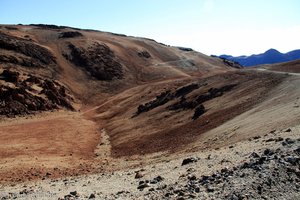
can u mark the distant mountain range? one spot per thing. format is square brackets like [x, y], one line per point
[269, 57]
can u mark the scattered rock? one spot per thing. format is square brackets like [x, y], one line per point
[230, 63]
[49, 26]
[143, 185]
[92, 196]
[157, 180]
[188, 161]
[268, 152]
[161, 99]
[289, 141]
[138, 175]
[144, 54]
[255, 155]
[183, 104]
[70, 34]
[288, 130]
[273, 131]
[48, 174]
[185, 49]
[200, 110]
[10, 76]
[192, 177]
[293, 160]
[210, 189]
[74, 193]
[270, 140]
[20, 98]
[182, 91]
[279, 139]
[283, 143]
[98, 59]
[297, 150]
[32, 55]
[256, 137]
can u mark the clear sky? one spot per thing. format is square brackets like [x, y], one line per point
[236, 27]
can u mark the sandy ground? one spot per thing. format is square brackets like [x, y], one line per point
[30, 147]
[70, 143]
[123, 184]
[99, 148]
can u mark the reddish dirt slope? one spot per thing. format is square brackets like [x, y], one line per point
[135, 100]
[164, 129]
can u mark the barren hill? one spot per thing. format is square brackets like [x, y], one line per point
[291, 67]
[77, 102]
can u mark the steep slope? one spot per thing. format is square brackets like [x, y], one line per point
[83, 59]
[152, 118]
[64, 70]
[125, 101]
[269, 57]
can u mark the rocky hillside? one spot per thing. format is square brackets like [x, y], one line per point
[90, 62]
[23, 94]
[263, 167]
[91, 114]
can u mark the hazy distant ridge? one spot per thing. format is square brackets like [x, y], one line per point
[269, 57]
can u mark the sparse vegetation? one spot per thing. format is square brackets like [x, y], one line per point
[156, 122]
[70, 34]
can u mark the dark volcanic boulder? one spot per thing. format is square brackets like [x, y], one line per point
[98, 59]
[144, 54]
[20, 96]
[10, 76]
[186, 89]
[70, 34]
[185, 49]
[161, 99]
[17, 101]
[188, 161]
[48, 26]
[30, 54]
[167, 96]
[183, 104]
[200, 110]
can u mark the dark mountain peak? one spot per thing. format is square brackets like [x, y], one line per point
[272, 51]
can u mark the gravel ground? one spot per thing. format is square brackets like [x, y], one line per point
[265, 167]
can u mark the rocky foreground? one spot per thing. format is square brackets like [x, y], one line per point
[264, 167]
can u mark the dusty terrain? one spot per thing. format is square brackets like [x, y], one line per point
[262, 167]
[292, 67]
[129, 104]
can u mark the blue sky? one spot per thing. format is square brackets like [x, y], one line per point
[234, 27]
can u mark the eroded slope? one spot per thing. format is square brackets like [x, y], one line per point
[135, 101]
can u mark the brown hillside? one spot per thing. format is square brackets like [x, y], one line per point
[292, 67]
[95, 101]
